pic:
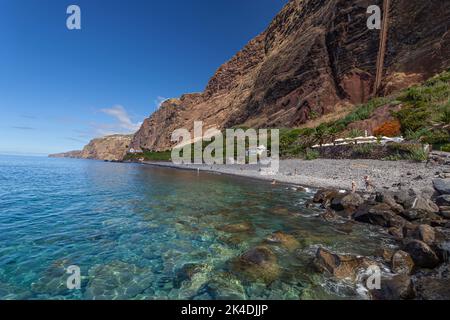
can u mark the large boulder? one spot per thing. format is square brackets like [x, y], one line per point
[257, 264]
[348, 202]
[443, 200]
[399, 287]
[388, 199]
[422, 255]
[423, 217]
[325, 196]
[340, 266]
[425, 233]
[379, 214]
[442, 185]
[421, 203]
[402, 263]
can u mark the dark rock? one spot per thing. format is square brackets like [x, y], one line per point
[402, 263]
[403, 196]
[442, 185]
[390, 201]
[396, 232]
[329, 215]
[422, 204]
[443, 200]
[429, 288]
[425, 233]
[380, 214]
[340, 266]
[422, 254]
[399, 287]
[445, 214]
[385, 253]
[325, 196]
[349, 202]
[423, 217]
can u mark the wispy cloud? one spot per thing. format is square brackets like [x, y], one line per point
[76, 140]
[122, 124]
[23, 128]
[124, 120]
[28, 116]
[159, 101]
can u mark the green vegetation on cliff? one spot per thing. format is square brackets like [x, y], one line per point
[424, 118]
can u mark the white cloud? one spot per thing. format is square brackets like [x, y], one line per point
[124, 123]
[159, 101]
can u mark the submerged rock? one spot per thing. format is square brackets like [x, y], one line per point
[237, 227]
[257, 264]
[223, 286]
[117, 280]
[340, 266]
[186, 273]
[287, 241]
[422, 255]
[54, 279]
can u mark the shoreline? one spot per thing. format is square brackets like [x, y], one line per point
[337, 174]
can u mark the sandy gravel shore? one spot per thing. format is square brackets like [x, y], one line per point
[336, 173]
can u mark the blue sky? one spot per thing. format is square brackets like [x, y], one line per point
[59, 88]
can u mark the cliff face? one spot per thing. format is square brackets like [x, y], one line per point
[110, 148]
[69, 154]
[315, 56]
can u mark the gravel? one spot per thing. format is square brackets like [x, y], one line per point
[324, 173]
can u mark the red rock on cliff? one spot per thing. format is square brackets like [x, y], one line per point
[315, 56]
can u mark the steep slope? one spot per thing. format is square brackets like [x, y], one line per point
[110, 148]
[315, 57]
[68, 154]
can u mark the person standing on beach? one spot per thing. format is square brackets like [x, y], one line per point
[353, 186]
[368, 183]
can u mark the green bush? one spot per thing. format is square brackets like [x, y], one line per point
[445, 118]
[311, 154]
[407, 151]
[446, 147]
[417, 154]
[363, 149]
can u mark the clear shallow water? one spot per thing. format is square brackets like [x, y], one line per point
[139, 232]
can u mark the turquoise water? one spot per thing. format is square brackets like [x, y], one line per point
[140, 232]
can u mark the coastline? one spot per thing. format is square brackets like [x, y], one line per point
[337, 174]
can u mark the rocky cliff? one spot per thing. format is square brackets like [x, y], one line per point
[68, 154]
[109, 148]
[316, 57]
